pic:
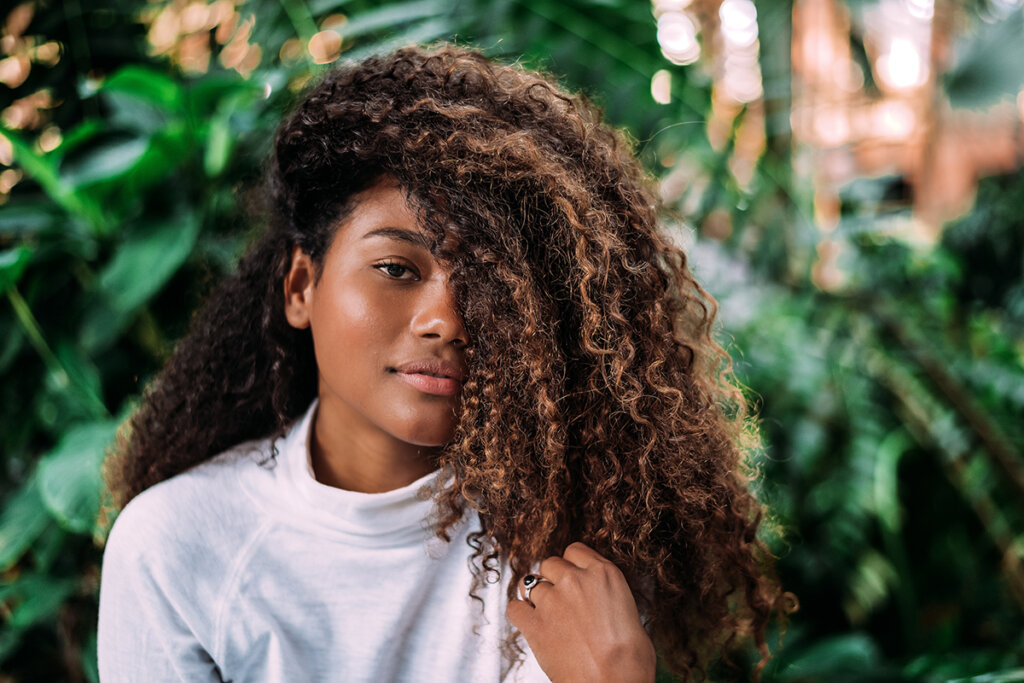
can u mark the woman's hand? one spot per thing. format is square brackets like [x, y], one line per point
[584, 625]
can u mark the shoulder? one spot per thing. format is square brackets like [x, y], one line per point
[201, 516]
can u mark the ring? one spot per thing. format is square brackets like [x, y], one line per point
[530, 582]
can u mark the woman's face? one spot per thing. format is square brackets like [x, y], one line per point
[389, 343]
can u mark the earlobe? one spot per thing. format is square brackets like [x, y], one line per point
[298, 290]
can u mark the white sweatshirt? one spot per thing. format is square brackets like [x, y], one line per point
[241, 571]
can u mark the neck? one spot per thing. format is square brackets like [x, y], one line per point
[350, 456]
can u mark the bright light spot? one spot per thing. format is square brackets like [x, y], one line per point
[50, 139]
[291, 51]
[894, 119]
[164, 31]
[267, 89]
[831, 126]
[9, 179]
[739, 14]
[325, 47]
[335, 21]
[739, 22]
[677, 36]
[47, 53]
[663, 6]
[195, 17]
[661, 87]
[14, 70]
[921, 9]
[676, 32]
[902, 67]
[742, 86]
[6, 151]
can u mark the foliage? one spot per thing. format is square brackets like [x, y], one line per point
[890, 406]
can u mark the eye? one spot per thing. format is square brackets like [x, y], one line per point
[397, 271]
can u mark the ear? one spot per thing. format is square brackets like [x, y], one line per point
[298, 290]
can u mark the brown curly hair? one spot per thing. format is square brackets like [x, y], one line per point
[597, 407]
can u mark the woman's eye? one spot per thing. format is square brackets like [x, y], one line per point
[397, 271]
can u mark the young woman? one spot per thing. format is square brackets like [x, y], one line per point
[458, 415]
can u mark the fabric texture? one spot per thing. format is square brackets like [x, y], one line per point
[245, 568]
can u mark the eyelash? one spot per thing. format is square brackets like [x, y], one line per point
[384, 266]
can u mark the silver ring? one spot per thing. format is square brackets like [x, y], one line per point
[530, 581]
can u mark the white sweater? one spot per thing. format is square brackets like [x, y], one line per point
[241, 571]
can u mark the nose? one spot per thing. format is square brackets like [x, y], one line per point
[437, 317]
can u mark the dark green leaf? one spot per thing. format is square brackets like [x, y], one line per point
[43, 170]
[148, 85]
[146, 260]
[70, 481]
[12, 265]
[23, 518]
[39, 597]
[20, 219]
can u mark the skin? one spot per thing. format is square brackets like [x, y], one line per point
[381, 301]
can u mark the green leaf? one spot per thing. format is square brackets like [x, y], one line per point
[146, 260]
[23, 519]
[90, 664]
[12, 265]
[990, 66]
[107, 162]
[839, 655]
[148, 85]
[18, 219]
[390, 16]
[41, 598]
[10, 639]
[70, 479]
[43, 170]
[418, 33]
[48, 547]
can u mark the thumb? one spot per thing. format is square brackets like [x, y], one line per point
[521, 615]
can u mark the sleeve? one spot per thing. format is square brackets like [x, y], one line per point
[144, 631]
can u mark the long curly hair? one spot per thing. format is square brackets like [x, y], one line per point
[597, 406]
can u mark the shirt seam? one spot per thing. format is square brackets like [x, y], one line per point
[230, 585]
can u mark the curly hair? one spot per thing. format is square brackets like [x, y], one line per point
[597, 406]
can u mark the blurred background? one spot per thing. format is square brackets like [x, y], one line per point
[849, 174]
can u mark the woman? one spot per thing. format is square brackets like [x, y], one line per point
[458, 415]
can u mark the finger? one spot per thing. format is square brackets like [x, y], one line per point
[582, 555]
[538, 593]
[555, 568]
[520, 614]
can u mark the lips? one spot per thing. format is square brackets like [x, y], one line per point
[432, 376]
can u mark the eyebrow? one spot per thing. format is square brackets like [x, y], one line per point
[411, 236]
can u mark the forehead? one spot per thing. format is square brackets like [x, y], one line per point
[381, 205]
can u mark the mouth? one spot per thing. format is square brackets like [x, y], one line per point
[431, 376]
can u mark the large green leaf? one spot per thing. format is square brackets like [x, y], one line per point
[828, 658]
[146, 260]
[12, 265]
[70, 480]
[109, 161]
[148, 85]
[23, 518]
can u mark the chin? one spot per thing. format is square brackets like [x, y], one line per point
[430, 437]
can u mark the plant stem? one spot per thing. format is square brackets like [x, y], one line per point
[92, 402]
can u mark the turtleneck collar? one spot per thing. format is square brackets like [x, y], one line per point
[392, 518]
